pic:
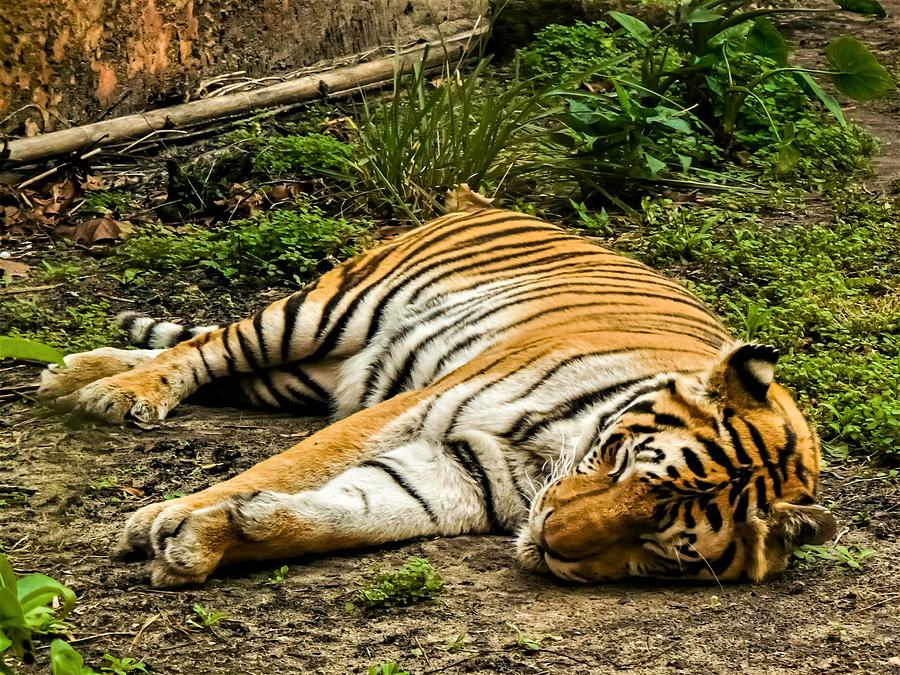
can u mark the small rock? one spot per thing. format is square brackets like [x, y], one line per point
[5, 255]
[894, 661]
[796, 588]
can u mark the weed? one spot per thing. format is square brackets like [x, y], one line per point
[467, 128]
[527, 642]
[27, 606]
[301, 155]
[282, 243]
[208, 618]
[122, 666]
[278, 576]
[63, 271]
[389, 668]
[851, 556]
[456, 644]
[83, 325]
[415, 581]
[105, 202]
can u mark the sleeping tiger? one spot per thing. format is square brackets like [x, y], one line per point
[487, 372]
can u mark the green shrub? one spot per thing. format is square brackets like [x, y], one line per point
[289, 242]
[469, 127]
[415, 581]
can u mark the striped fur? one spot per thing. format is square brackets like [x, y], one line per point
[488, 372]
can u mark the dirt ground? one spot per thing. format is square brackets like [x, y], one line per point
[66, 490]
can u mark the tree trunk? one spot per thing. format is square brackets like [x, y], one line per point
[66, 62]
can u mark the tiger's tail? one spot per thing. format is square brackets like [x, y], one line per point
[148, 333]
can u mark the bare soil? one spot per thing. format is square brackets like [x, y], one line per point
[66, 490]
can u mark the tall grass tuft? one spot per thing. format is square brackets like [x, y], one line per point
[462, 127]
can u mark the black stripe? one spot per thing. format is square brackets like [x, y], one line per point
[719, 456]
[740, 452]
[463, 453]
[292, 308]
[401, 482]
[714, 516]
[261, 338]
[247, 350]
[761, 503]
[760, 444]
[740, 510]
[308, 382]
[788, 451]
[667, 420]
[229, 355]
[185, 334]
[405, 267]
[693, 462]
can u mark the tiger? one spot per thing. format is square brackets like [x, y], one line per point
[486, 372]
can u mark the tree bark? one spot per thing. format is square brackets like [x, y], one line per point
[345, 80]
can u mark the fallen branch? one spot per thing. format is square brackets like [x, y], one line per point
[339, 81]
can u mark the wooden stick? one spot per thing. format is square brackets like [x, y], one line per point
[301, 89]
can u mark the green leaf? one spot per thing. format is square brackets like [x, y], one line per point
[812, 88]
[700, 14]
[859, 75]
[66, 661]
[37, 590]
[864, 7]
[634, 27]
[654, 164]
[786, 160]
[28, 350]
[765, 39]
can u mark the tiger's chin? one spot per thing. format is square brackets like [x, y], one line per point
[528, 553]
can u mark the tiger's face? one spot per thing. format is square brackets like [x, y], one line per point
[710, 477]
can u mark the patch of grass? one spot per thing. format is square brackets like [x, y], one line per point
[122, 666]
[527, 642]
[207, 617]
[278, 576]
[850, 557]
[80, 326]
[64, 270]
[390, 668]
[465, 127]
[290, 243]
[308, 154]
[415, 581]
[105, 202]
[827, 294]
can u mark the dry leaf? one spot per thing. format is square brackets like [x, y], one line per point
[104, 230]
[93, 183]
[11, 268]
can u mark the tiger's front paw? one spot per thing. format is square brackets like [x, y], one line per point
[185, 544]
[59, 382]
[139, 395]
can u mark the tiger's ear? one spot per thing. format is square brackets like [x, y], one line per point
[795, 525]
[744, 373]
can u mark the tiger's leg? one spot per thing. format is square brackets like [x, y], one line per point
[302, 326]
[57, 382]
[335, 490]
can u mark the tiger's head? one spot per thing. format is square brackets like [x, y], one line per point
[712, 476]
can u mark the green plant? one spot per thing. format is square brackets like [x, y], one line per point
[275, 155]
[278, 576]
[65, 660]
[465, 128]
[63, 270]
[104, 202]
[28, 350]
[851, 556]
[415, 581]
[289, 242]
[122, 666]
[526, 642]
[389, 668]
[80, 326]
[208, 618]
[668, 104]
[26, 607]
